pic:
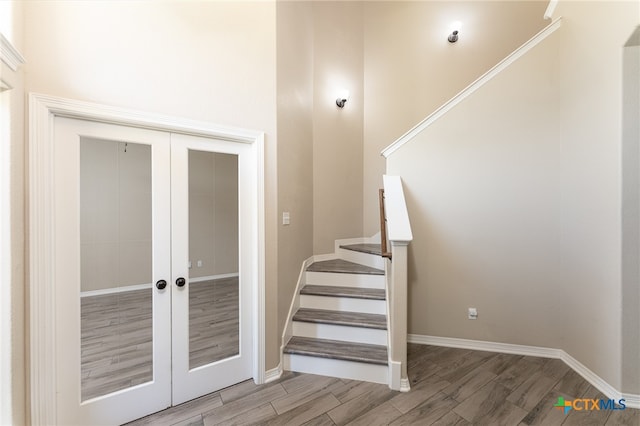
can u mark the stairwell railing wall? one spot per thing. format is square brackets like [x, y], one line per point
[395, 227]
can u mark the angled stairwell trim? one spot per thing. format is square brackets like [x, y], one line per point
[477, 84]
[632, 400]
[287, 333]
[551, 7]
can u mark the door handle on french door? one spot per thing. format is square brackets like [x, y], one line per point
[180, 282]
[161, 284]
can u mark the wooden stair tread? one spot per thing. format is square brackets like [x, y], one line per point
[343, 267]
[350, 292]
[375, 249]
[335, 349]
[350, 319]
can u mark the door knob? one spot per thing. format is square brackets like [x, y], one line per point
[161, 284]
[180, 282]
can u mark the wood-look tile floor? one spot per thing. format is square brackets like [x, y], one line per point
[448, 387]
[116, 334]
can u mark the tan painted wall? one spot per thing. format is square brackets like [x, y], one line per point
[514, 198]
[410, 68]
[115, 214]
[210, 61]
[14, 412]
[213, 213]
[631, 215]
[337, 133]
[295, 145]
[115, 204]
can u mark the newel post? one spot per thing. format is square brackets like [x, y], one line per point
[398, 298]
[399, 235]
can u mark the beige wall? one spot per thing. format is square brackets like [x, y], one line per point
[514, 198]
[295, 145]
[337, 133]
[210, 61]
[410, 68]
[213, 213]
[631, 215]
[115, 214]
[115, 211]
[13, 387]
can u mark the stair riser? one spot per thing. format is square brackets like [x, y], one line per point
[345, 280]
[340, 332]
[337, 368]
[372, 260]
[343, 304]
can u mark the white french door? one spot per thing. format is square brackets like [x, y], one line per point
[153, 269]
[199, 361]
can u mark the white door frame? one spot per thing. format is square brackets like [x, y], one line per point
[42, 111]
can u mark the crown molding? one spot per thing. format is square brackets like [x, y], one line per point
[9, 54]
[473, 87]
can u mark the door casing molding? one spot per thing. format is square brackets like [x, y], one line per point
[43, 110]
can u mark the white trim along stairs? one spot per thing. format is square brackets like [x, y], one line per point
[338, 321]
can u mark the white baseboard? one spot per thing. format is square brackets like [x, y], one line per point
[273, 374]
[214, 277]
[114, 290]
[480, 345]
[631, 400]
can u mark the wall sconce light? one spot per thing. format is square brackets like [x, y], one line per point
[455, 29]
[343, 96]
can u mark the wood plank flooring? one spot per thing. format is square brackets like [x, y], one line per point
[364, 248]
[448, 387]
[351, 319]
[350, 292]
[116, 344]
[213, 321]
[336, 349]
[343, 267]
[116, 334]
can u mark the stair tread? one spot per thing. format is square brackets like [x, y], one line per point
[343, 267]
[364, 248]
[350, 292]
[335, 349]
[351, 319]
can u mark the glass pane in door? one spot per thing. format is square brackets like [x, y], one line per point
[116, 266]
[213, 257]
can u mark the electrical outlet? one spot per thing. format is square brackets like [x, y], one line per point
[286, 218]
[189, 264]
[199, 263]
[472, 313]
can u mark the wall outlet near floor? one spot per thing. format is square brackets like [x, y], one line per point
[199, 263]
[286, 218]
[472, 313]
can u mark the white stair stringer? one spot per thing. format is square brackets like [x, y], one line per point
[352, 370]
[343, 304]
[343, 338]
[344, 333]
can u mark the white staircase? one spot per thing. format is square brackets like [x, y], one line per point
[338, 323]
[348, 317]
